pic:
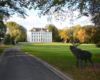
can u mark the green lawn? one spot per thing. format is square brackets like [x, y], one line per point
[60, 56]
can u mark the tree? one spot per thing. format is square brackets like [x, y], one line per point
[95, 35]
[49, 7]
[55, 33]
[88, 29]
[2, 30]
[81, 35]
[16, 31]
[86, 7]
[11, 7]
[64, 35]
[76, 29]
[8, 39]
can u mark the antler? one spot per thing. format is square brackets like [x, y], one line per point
[76, 44]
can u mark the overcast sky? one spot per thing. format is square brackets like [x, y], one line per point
[33, 20]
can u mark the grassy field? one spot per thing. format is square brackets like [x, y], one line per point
[60, 56]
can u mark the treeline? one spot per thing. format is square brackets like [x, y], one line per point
[78, 33]
[15, 32]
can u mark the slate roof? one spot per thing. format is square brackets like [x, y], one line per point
[38, 29]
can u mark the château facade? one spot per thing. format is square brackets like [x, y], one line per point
[39, 35]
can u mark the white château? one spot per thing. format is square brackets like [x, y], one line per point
[39, 35]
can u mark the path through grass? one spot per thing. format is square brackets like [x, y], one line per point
[60, 56]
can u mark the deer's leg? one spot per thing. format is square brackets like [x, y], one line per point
[80, 64]
[85, 62]
[77, 63]
[91, 62]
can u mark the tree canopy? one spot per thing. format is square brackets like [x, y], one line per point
[11, 7]
[55, 33]
[49, 7]
[16, 31]
[59, 7]
[64, 35]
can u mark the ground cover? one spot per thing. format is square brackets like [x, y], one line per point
[19, 43]
[60, 56]
[4, 47]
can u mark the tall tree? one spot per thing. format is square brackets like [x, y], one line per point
[88, 29]
[55, 33]
[2, 30]
[95, 35]
[9, 8]
[16, 31]
[81, 35]
[7, 39]
[64, 35]
[75, 33]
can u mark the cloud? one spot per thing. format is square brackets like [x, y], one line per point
[29, 22]
[35, 21]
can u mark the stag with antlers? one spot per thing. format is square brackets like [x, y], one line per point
[81, 55]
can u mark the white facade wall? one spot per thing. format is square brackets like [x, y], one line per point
[40, 36]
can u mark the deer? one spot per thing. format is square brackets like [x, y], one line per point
[81, 55]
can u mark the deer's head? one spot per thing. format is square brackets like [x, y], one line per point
[74, 46]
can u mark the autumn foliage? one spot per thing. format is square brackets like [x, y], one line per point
[85, 34]
[64, 35]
